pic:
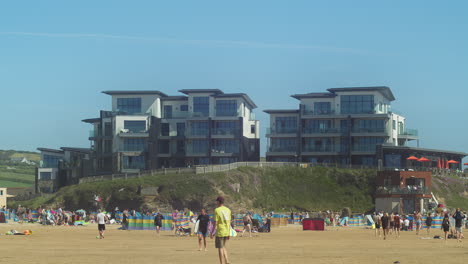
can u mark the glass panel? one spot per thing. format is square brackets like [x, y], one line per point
[129, 105]
[286, 124]
[199, 128]
[357, 104]
[180, 129]
[134, 144]
[50, 161]
[283, 145]
[226, 108]
[225, 146]
[165, 129]
[168, 111]
[135, 126]
[134, 162]
[201, 106]
[45, 176]
[322, 108]
[225, 127]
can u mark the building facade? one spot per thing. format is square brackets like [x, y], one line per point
[150, 130]
[343, 125]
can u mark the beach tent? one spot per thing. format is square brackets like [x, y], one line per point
[316, 224]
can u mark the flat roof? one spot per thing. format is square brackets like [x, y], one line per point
[313, 95]
[424, 150]
[81, 150]
[382, 89]
[91, 120]
[240, 95]
[175, 98]
[134, 92]
[281, 111]
[189, 91]
[58, 151]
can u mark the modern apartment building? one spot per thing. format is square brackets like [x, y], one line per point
[343, 125]
[150, 130]
[61, 167]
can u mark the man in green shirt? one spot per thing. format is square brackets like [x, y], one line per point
[222, 218]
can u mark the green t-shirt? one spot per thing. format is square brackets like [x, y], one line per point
[222, 217]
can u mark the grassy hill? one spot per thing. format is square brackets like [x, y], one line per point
[17, 175]
[260, 188]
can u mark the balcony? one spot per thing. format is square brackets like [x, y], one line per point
[176, 115]
[309, 130]
[198, 132]
[133, 133]
[282, 149]
[198, 114]
[281, 131]
[308, 112]
[368, 148]
[321, 149]
[408, 132]
[221, 152]
[368, 130]
[408, 190]
[225, 132]
[228, 114]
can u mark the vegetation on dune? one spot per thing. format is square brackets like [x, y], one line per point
[283, 189]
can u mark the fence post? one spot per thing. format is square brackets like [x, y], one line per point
[179, 170]
[112, 176]
[164, 171]
[126, 176]
[138, 175]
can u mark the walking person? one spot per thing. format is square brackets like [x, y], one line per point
[175, 216]
[376, 219]
[397, 225]
[392, 222]
[446, 226]
[203, 221]
[222, 217]
[418, 219]
[458, 216]
[429, 223]
[385, 225]
[247, 224]
[101, 219]
[158, 222]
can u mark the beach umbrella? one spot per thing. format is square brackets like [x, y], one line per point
[439, 164]
[465, 163]
[452, 162]
[80, 211]
[423, 159]
[412, 158]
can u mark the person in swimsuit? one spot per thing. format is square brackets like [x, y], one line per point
[247, 219]
[397, 224]
[446, 226]
[418, 219]
[376, 219]
[429, 223]
[385, 225]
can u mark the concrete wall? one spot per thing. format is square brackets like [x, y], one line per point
[387, 204]
[3, 197]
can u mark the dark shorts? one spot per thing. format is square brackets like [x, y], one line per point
[397, 225]
[202, 234]
[446, 229]
[392, 224]
[220, 242]
[377, 226]
[158, 225]
[246, 223]
[101, 227]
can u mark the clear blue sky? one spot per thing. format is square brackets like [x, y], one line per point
[56, 57]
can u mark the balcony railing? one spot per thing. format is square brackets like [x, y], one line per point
[198, 114]
[176, 115]
[330, 148]
[198, 132]
[285, 130]
[368, 130]
[224, 132]
[409, 132]
[228, 114]
[410, 189]
[364, 147]
[128, 131]
[223, 151]
[309, 130]
[282, 149]
[316, 113]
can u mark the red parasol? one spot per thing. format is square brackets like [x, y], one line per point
[423, 159]
[465, 163]
[452, 162]
[439, 164]
[412, 158]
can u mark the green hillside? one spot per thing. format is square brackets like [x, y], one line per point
[13, 174]
[268, 188]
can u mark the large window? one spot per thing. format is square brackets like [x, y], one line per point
[225, 146]
[226, 108]
[286, 124]
[50, 161]
[134, 126]
[165, 129]
[184, 108]
[322, 108]
[200, 146]
[283, 145]
[168, 111]
[367, 144]
[129, 105]
[357, 104]
[164, 146]
[225, 127]
[180, 129]
[134, 162]
[369, 125]
[318, 126]
[318, 145]
[199, 128]
[45, 176]
[108, 129]
[134, 144]
[201, 106]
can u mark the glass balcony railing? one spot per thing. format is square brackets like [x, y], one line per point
[330, 148]
[368, 130]
[319, 112]
[132, 131]
[408, 132]
[224, 150]
[198, 132]
[92, 133]
[224, 132]
[286, 130]
[176, 115]
[198, 114]
[409, 189]
[227, 113]
[364, 147]
[282, 149]
[310, 130]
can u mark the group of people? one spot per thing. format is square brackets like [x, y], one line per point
[393, 223]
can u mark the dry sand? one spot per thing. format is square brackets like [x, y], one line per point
[284, 245]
